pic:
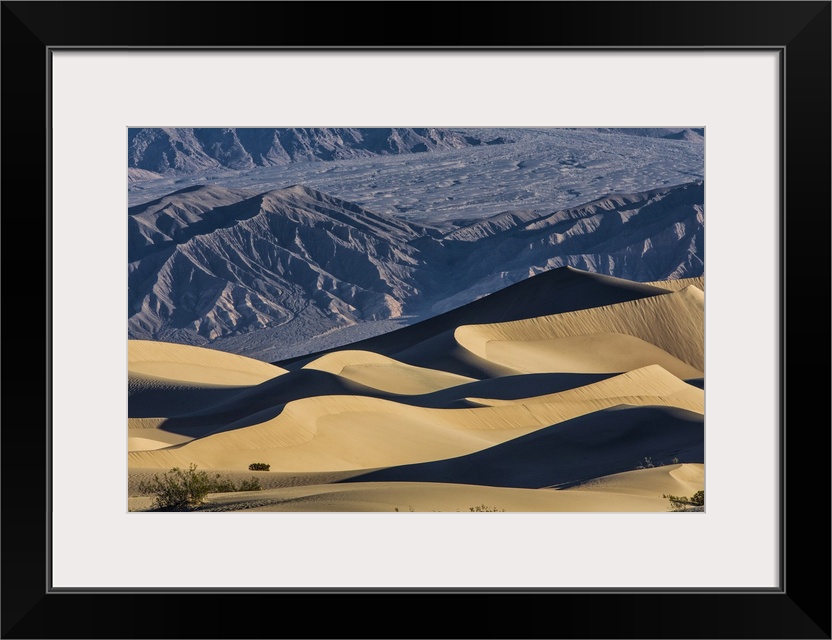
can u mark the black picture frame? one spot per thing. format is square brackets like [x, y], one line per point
[800, 608]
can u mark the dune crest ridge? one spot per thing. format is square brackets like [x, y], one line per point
[195, 365]
[673, 322]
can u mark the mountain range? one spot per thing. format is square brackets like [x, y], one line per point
[188, 150]
[209, 262]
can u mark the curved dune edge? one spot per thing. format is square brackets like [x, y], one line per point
[673, 479]
[191, 411]
[653, 383]
[696, 295]
[255, 405]
[593, 353]
[195, 365]
[428, 497]
[153, 439]
[332, 433]
[674, 322]
[598, 444]
[680, 283]
[443, 352]
[145, 423]
[386, 374]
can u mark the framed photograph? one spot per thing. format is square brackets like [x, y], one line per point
[718, 113]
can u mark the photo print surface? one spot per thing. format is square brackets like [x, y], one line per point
[416, 319]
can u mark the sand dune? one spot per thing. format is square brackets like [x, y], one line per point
[330, 433]
[630, 491]
[673, 322]
[145, 423]
[696, 296]
[405, 497]
[353, 432]
[594, 445]
[512, 387]
[151, 439]
[652, 383]
[445, 353]
[593, 353]
[521, 402]
[680, 283]
[385, 374]
[195, 365]
[243, 406]
[167, 380]
[672, 479]
[248, 406]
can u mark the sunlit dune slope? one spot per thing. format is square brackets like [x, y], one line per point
[354, 432]
[597, 444]
[671, 479]
[166, 380]
[385, 374]
[634, 491]
[680, 283]
[406, 497]
[673, 323]
[268, 398]
[195, 365]
[649, 385]
[593, 353]
[150, 439]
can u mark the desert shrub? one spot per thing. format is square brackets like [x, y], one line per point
[483, 508]
[223, 485]
[259, 466]
[681, 503]
[647, 464]
[250, 485]
[179, 490]
[677, 503]
[226, 485]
